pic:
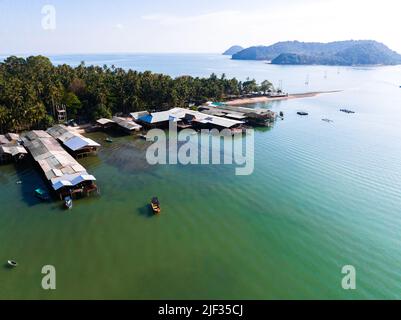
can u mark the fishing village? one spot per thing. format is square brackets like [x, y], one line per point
[55, 151]
[199, 152]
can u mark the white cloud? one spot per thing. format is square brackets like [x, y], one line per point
[119, 26]
[167, 19]
[321, 20]
[213, 30]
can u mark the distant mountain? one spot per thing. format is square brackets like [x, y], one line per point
[233, 50]
[362, 52]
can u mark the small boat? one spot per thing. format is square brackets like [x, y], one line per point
[68, 203]
[19, 182]
[42, 194]
[327, 120]
[12, 263]
[109, 140]
[281, 114]
[302, 113]
[155, 204]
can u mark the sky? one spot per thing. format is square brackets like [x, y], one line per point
[186, 26]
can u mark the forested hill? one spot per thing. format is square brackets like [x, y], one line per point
[31, 87]
[362, 52]
[233, 50]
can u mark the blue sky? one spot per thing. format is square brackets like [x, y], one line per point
[99, 26]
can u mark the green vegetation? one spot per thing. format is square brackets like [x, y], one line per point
[31, 88]
[346, 53]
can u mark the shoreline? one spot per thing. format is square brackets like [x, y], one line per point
[244, 101]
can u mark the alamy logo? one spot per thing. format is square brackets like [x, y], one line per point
[49, 18]
[349, 281]
[207, 147]
[49, 280]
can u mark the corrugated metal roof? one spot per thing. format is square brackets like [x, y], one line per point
[3, 139]
[179, 113]
[127, 124]
[137, 115]
[71, 180]
[55, 162]
[77, 143]
[71, 140]
[104, 121]
[9, 145]
[156, 117]
[12, 150]
[61, 184]
[236, 116]
[12, 136]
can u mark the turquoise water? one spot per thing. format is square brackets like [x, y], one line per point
[323, 195]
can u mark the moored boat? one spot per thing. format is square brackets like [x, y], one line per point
[109, 140]
[12, 263]
[68, 203]
[42, 194]
[155, 204]
[302, 113]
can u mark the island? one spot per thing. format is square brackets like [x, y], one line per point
[233, 50]
[341, 53]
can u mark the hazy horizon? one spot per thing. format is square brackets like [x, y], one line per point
[178, 26]
[25, 54]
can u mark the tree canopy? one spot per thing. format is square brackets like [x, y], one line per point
[31, 88]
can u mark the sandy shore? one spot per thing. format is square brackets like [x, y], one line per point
[81, 129]
[238, 102]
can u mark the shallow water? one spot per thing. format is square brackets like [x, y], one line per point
[323, 195]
